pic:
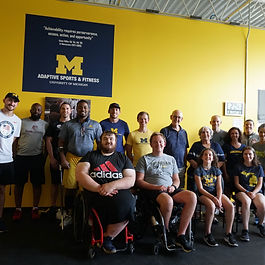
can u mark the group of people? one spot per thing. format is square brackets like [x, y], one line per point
[221, 164]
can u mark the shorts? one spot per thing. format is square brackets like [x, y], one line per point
[56, 176]
[29, 165]
[112, 210]
[7, 173]
[69, 180]
[153, 194]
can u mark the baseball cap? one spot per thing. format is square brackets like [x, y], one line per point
[13, 96]
[114, 105]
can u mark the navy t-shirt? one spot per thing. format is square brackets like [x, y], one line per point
[248, 176]
[208, 178]
[195, 152]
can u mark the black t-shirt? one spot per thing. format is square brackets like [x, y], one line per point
[53, 131]
[104, 169]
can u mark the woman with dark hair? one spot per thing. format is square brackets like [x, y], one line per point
[248, 182]
[205, 134]
[208, 178]
[233, 153]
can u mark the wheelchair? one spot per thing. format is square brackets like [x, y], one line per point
[88, 227]
[148, 213]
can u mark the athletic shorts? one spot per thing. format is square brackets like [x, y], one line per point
[32, 166]
[153, 194]
[118, 208]
[7, 173]
[69, 180]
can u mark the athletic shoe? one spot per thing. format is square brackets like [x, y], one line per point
[107, 246]
[244, 235]
[182, 242]
[51, 213]
[210, 241]
[17, 215]
[230, 240]
[35, 214]
[261, 230]
[3, 227]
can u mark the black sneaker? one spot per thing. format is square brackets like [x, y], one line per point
[244, 235]
[107, 245]
[3, 227]
[230, 240]
[182, 242]
[210, 241]
[261, 230]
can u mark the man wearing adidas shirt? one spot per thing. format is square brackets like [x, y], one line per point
[107, 176]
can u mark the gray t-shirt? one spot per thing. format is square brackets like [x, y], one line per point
[158, 170]
[79, 137]
[219, 137]
[249, 140]
[30, 142]
[260, 151]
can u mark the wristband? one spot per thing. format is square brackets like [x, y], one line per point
[174, 186]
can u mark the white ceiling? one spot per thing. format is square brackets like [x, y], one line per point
[223, 11]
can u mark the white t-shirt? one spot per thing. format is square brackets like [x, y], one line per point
[30, 142]
[9, 128]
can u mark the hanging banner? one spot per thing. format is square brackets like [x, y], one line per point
[68, 56]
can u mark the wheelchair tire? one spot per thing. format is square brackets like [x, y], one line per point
[131, 248]
[79, 218]
[91, 252]
[157, 248]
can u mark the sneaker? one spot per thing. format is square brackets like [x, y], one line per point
[51, 213]
[3, 227]
[59, 214]
[244, 235]
[261, 230]
[107, 245]
[67, 220]
[17, 215]
[230, 240]
[210, 241]
[182, 242]
[35, 214]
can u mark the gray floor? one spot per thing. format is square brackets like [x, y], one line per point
[42, 243]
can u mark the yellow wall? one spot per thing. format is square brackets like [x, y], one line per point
[160, 64]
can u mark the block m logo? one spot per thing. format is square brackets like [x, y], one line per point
[74, 65]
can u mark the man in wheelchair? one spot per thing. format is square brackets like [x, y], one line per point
[107, 176]
[157, 175]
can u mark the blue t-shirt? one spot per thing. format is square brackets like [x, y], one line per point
[195, 152]
[177, 144]
[248, 176]
[208, 178]
[233, 156]
[120, 128]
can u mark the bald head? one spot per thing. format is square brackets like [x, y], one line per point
[176, 118]
[35, 111]
[216, 122]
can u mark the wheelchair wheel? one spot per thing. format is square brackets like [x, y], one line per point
[79, 217]
[131, 248]
[91, 252]
[157, 248]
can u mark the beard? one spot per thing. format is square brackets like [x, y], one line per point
[108, 149]
[35, 117]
